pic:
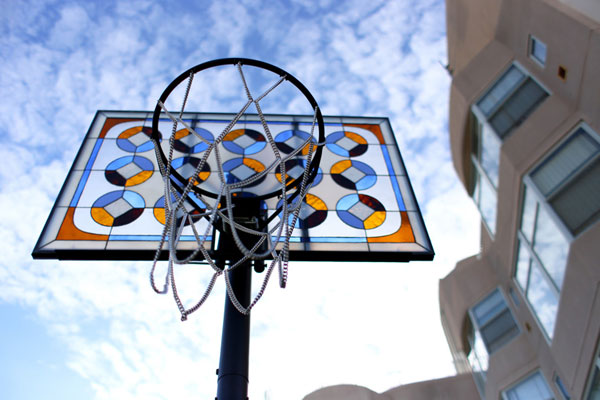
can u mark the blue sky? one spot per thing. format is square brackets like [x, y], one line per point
[77, 330]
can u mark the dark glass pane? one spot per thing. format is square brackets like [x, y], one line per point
[499, 331]
[579, 202]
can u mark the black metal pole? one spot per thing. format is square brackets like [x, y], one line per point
[232, 383]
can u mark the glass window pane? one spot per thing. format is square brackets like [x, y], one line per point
[487, 204]
[579, 201]
[502, 123]
[523, 261]
[488, 308]
[551, 247]
[499, 331]
[532, 388]
[490, 154]
[528, 217]
[595, 386]
[564, 162]
[538, 51]
[542, 298]
[524, 101]
[500, 90]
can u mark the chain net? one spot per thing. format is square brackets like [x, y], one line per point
[180, 212]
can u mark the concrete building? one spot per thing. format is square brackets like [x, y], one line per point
[522, 318]
[524, 315]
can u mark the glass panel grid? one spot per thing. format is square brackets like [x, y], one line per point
[116, 155]
[493, 321]
[537, 50]
[533, 387]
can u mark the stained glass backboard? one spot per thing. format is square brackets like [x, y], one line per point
[361, 206]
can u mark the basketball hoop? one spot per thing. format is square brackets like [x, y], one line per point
[232, 204]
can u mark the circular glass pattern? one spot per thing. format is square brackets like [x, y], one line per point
[244, 141]
[294, 169]
[186, 167]
[346, 144]
[159, 208]
[136, 139]
[117, 208]
[187, 142]
[129, 171]
[290, 140]
[239, 169]
[312, 213]
[361, 211]
[352, 174]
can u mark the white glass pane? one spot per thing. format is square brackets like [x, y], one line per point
[523, 262]
[538, 51]
[577, 203]
[542, 298]
[551, 247]
[500, 90]
[529, 212]
[488, 308]
[564, 162]
[487, 204]
[532, 388]
[490, 153]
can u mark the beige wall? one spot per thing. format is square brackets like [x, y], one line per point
[573, 42]
[451, 388]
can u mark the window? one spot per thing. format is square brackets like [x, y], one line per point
[537, 50]
[534, 387]
[493, 326]
[559, 201]
[570, 179]
[510, 100]
[594, 390]
[493, 319]
[503, 107]
[562, 389]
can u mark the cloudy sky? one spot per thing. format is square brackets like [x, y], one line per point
[75, 330]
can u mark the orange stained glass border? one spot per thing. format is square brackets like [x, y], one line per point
[404, 234]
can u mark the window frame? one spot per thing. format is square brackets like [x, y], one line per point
[478, 328]
[523, 380]
[533, 40]
[542, 201]
[479, 122]
[592, 373]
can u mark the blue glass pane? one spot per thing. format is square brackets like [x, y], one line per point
[489, 307]
[500, 90]
[532, 388]
[542, 298]
[523, 262]
[551, 247]
[490, 154]
[528, 217]
[487, 203]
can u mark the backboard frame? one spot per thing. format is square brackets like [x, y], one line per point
[55, 242]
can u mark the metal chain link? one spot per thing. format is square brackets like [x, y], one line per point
[176, 214]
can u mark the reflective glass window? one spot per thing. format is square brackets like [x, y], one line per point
[533, 387]
[537, 50]
[560, 200]
[506, 104]
[594, 390]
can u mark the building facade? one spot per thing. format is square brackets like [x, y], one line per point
[522, 318]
